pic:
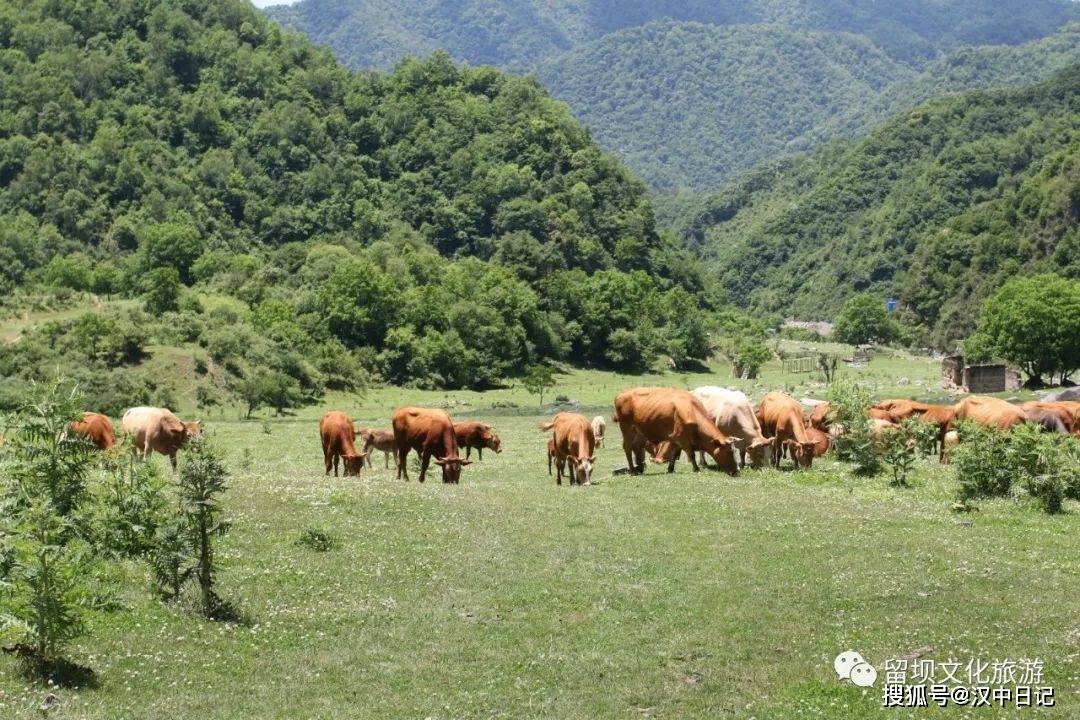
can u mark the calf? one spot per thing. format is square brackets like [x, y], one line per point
[338, 435]
[599, 427]
[666, 414]
[157, 430]
[781, 417]
[821, 440]
[732, 414]
[471, 434]
[431, 434]
[381, 440]
[572, 441]
[96, 428]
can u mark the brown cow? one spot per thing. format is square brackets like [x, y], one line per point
[900, 409]
[471, 434]
[659, 414]
[822, 416]
[943, 417]
[1048, 420]
[781, 416]
[157, 430]
[878, 414]
[97, 428]
[733, 415]
[338, 435]
[382, 440]
[575, 443]
[990, 412]
[1062, 410]
[821, 441]
[431, 434]
[599, 428]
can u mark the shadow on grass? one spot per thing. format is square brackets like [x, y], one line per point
[59, 672]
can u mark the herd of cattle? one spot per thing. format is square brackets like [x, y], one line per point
[663, 422]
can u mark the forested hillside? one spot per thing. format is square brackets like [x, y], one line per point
[687, 103]
[690, 94]
[436, 225]
[937, 207]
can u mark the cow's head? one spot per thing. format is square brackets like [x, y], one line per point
[492, 441]
[582, 469]
[802, 453]
[724, 455]
[760, 451]
[192, 429]
[354, 463]
[451, 468]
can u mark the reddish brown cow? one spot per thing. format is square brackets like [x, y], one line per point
[781, 417]
[990, 412]
[381, 440]
[878, 414]
[666, 414]
[338, 436]
[573, 442]
[820, 439]
[431, 434]
[1061, 410]
[821, 417]
[943, 417]
[97, 428]
[472, 434]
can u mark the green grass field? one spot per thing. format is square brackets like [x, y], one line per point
[666, 596]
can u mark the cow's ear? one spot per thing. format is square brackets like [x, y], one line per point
[466, 462]
[592, 459]
[440, 461]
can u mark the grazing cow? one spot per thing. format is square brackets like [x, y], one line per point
[879, 427]
[948, 445]
[477, 435]
[96, 428]
[781, 417]
[659, 414]
[572, 441]
[599, 427]
[990, 412]
[733, 415]
[338, 435]
[943, 417]
[822, 441]
[1048, 420]
[381, 440]
[878, 414]
[431, 434]
[822, 416]
[157, 430]
[901, 409]
[1062, 410]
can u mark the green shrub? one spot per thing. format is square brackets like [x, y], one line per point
[131, 506]
[857, 444]
[317, 539]
[901, 448]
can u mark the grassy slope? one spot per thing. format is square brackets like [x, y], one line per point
[655, 596]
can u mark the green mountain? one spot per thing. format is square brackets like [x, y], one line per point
[690, 94]
[439, 224]
[686, 103]
[937, 207]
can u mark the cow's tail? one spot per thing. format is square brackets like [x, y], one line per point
[544, 427]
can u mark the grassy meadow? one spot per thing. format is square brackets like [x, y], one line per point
[658, 596]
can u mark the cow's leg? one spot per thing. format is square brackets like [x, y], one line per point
[337, 463]
[172, 460]
[425, 458]
[742, 457]
[403, 454]
[468, 451]
[326, 457]
[479, 453]
[693, 460]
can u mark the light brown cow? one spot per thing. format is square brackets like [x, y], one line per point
[338, 435]
[97, 428]
[659, 414]
[381, 440]
[733, 415]
[157, 430]
[901, 409]
[781, 416]
[990, 412]
[574, 443]
[599, 427]
[431, 434]
[472, 434]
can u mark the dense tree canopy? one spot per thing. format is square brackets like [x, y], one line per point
[937, 207]
[438, 224]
